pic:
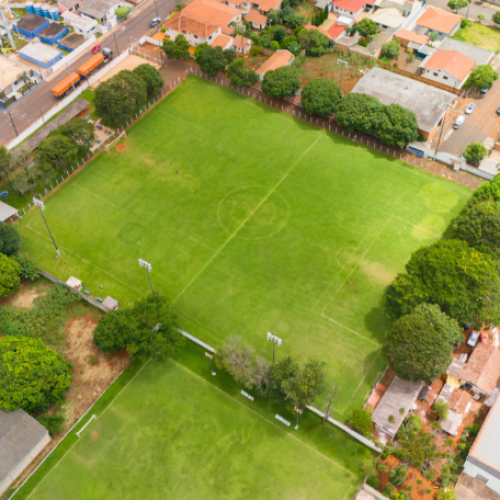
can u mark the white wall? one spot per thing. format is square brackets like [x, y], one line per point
[72, 55]
[440, 76]
[472, 471]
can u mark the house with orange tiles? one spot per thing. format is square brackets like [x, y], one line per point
[279, 59]
[258, 21]
[262, 6]
[242, 45]
[482, 371]
[449, 67]
[223, 41]
[442, 22]
[202, 21]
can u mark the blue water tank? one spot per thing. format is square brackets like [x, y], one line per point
[45, 11]
[38, 9]
[54, 13]
[29, 8]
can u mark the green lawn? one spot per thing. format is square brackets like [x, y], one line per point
[172, 434]
[270, 224]
[480, 35]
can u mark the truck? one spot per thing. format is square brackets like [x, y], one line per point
[95, 62]
[66, 85]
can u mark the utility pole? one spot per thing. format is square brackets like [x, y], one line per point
[442, 127]
[117, 51]
[42, 208]
[12, 121]
[147, 267]
[69, 74]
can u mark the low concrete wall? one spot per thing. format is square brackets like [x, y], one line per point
[72, 55]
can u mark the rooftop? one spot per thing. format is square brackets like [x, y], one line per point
[388, 17]
[277, 60]
[390, 88]
[255, 17]
[6, 211]
[31, 22]
[72, 41]
[459, 400]
[311, 27]
[400, 394]
[483, 368]
[222, 41]
[75, 19]
[470, 488]
[267, 5]
[477, 54]
[52, 29]
[40, 51]
[352, 5]
[9, 71]
[438, 20]
[451, 61]
[411, 36]
[242, 42]
[97, 8]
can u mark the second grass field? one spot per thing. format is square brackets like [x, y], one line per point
[254, 222]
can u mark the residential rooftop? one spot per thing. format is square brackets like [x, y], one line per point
[452, 62]
[30, 22]
[438, 20]
[483, 368]
[479, 55]
[277, 60]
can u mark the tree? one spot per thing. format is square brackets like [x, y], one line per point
[5, 162]
[420, 344]
[463, 282]
[446, 495]
[241, 76]
[481, 77]
[415, 449]
[315, 42]
[391, 49]
[481, 17]
[122, 12]
[359, 112]
[9, 276]
[399, 126]
[302, 389]
[27, 268]
[9, 239]
[367, 27]
[440, 408]
[56, 152]
[321, 96]
[456, 5]
[147, 328]
[79, 132]
[177, 49]
[496, 17]
[151, 77]
[273, 17]
[475, 152]
[32, 376]
[278, 33]
[361, 421]
[212, 59]
[279, 375]
[275, 46]
[433, 36]
[479, 226]
[280, 82]
[117, 98]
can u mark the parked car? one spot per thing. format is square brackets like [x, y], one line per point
[470, 108]
[154, 22]
[96, 48]
[498, 111]
[459, 122]
[484, 91]
[474, 336]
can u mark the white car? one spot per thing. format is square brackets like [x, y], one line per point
[470, 108]
[473, 338]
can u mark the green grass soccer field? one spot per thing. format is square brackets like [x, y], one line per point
[253, 222]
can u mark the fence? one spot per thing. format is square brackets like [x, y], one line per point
[145, 54]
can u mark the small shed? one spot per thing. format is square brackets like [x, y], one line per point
[30, 25]
[451, 423]
[8, 213]
[400, 395]
[110, 303]
[40, 54]
[74, 283]
[22, 438]
[70, 42]
[52, 33]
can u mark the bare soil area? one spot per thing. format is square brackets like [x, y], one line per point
[26, 294]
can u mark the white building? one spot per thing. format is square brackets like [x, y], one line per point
[82, 25]
[448, 67]
[100, 10]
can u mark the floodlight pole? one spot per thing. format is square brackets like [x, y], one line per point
[298, 411]
[42, 208]
[274, 340]
[147, 267]
[211, 358]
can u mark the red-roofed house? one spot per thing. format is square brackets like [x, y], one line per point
[312, 27]
[336, 30]
[242, 45]
[482, 371]
[202, 21]
[405, 37]
[351, 8]
[264, 6]
[279, 59]
[448, 67]
[258, 21]
[223, 41]
[442, 22]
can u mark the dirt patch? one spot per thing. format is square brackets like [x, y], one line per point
[25, 295]
[93, 370]
[121, 147]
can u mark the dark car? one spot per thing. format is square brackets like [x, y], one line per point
[154, 22]
[498, 111]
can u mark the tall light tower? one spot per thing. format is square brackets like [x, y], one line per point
[5, 23]
[40, 204]
[147, 267]
[274, 340]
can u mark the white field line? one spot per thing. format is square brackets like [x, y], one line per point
[235, 232]
[350, 330]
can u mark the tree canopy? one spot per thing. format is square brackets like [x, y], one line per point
[366, 27]
[147, 328]
[456, 5]
[151, 77]
[79, 132]
[123, 11]
[481, 77]
[57, 152]
[321, 96]
[281, 82]
[303, 389]
[9, 239]
[212, 59]
[9, 276]
[496, 17]
[461, 280]
[279, 374]
[420, 344]
[177, 49]
[315, 42]
[32, 376]
[400, 128]
[391, 49]
[117, 98]
[475, 152]
[241, 76]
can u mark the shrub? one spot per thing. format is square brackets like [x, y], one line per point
[53, 423]
[9, 276]
[361, 421]
[391, 49]
[465, 23]
[481, 17]
[363, 42]
[256, 50]
[275, 45]
[495, 18]
[27, 268]
[440, 408]
[475, 152]
[374, 482]
[9, 239]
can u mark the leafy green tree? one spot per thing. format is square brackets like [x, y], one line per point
[275, 46]
[367, 27]
[496, 17]
[475, 152]
[456, 5]
[9, 276]
[391, 49]
[32, 376]
[5, 162]
[321, 96]
[399, 127]
[212, 59]
[481, 17]
[479, 226]
[9, 239]
[481, 78]
[359, 112]
[278, 33]
[241, 76]
[361, 421]
[488, 191]
[303, 389]
[265, 39]
[151, 77]
[463, 282]
[79, 132]
[449, 494]
[420, 344]
[117, 98]
[147, 328]
[285, 43]
[53, 423]
[279, 375]
[415, 449]
[440, 408]
[56, 152]
[178, 48]
[433, 36]
[273, 17]
[315, 42]
[281, 82]
[122, 12]
[27, 268]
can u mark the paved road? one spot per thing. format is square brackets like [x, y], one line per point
[42, 100]
[475, 8]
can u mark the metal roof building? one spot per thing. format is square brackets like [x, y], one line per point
[477, 54]
[22, 438]
[8, 213]
[30, 25]
[40, 54]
